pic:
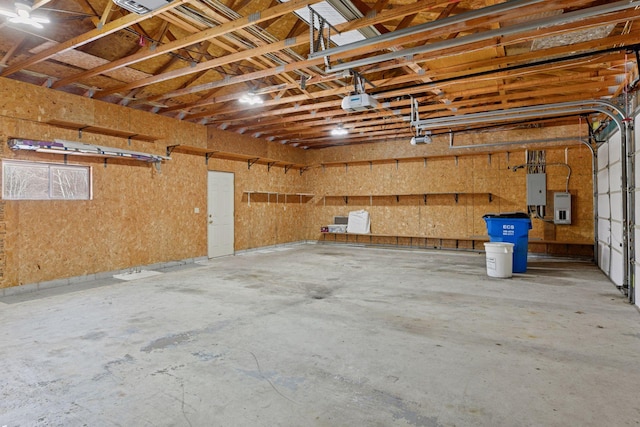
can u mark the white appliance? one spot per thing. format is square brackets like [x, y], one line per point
[359, 102]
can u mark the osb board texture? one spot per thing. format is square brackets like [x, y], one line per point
[265, 220]
[247, 145]
[137, 216]
[440, 145]
[46, 105]
[473, 176]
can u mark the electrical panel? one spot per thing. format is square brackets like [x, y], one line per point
[537, 189]
[562, 208]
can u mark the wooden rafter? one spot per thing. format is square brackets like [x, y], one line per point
[196, 58]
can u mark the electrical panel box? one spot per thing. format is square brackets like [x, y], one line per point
[562, 208]
[537, 189]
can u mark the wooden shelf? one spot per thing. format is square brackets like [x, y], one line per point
[432, 242]
[396, 160]
[300, 196]
[582, 248]
[190, 149]
[103, 131]
[424, 196]
[251, 160]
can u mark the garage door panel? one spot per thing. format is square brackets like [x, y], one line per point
[614, 148]
[603, 206]
[603, 157]
[616, 236]
[616, 206]
[604, 257]
[604, 231]
[617, 271]
[603, 181]
[615, 177]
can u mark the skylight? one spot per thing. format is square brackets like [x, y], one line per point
[333, 16]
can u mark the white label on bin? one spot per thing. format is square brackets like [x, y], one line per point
[508, 230]
[491, 263]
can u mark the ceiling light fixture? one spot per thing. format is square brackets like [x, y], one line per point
[22, 15]
[339, 131]
[251, 99]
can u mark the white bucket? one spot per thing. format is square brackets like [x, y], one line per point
[499, 259]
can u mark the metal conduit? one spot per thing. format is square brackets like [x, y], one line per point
[602, 106]
[533, 108]
[594, 171]
[508, 117]
[508, 143]
[485, 35]
[429, 26]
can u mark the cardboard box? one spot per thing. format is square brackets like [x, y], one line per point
[337, 228]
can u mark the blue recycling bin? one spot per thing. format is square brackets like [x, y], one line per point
[512, 227]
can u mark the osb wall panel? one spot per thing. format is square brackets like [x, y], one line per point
[440, 145]
[65, 107]
[9, 235]
[137, 216]
[267, 219]
[485, 183]
[247, 145]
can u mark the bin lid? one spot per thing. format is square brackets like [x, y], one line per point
[520, 215]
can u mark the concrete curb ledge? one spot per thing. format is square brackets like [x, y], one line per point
[34, 287]
[280, 245]
[56, 283]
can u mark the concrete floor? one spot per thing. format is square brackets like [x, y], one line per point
[325, 335]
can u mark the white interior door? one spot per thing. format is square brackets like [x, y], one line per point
[220, 209]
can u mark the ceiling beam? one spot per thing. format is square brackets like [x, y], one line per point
[192, 39]
[88, 37]
[270, 48]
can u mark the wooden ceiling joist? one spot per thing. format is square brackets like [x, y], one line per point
[196, 58]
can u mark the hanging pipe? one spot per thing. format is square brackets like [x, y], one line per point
[522, 112]
[602, 106]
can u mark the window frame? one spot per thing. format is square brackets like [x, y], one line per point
[53, 177]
